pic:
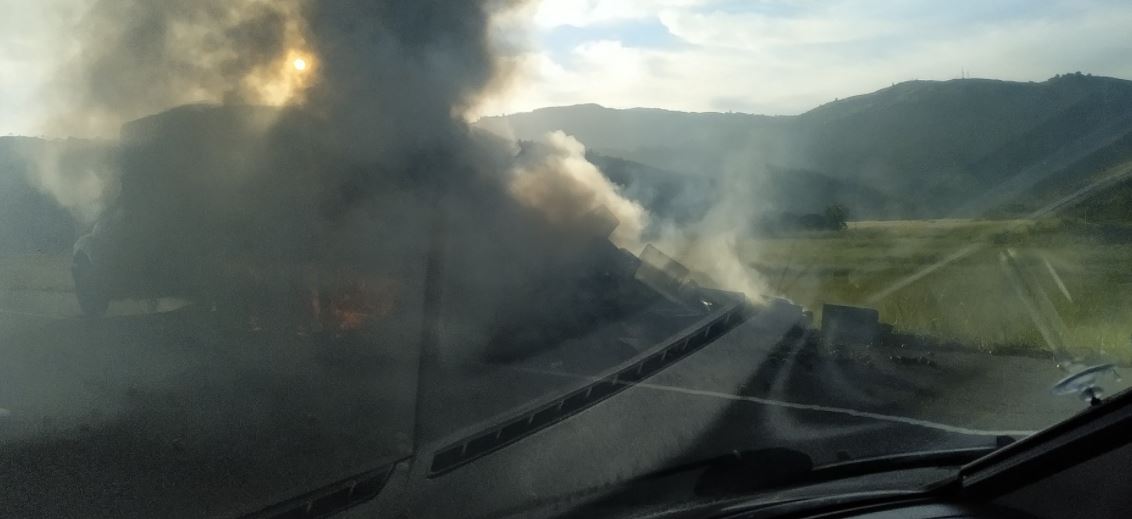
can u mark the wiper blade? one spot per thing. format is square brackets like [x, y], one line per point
[778, 461]
[746, 471]
[905, 461]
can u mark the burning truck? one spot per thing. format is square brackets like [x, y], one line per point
[215, 206]
[255, 214]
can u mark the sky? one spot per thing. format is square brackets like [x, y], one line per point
[787, 56]
[755, 56]
[32, 39]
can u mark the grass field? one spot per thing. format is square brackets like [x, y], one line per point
[948, 278]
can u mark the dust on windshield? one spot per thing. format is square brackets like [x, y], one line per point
[260, 258]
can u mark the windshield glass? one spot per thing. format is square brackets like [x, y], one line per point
[470, 258]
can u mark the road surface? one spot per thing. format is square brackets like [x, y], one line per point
[155, 411]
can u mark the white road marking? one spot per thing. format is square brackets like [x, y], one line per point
[31, 314]
[839, 410]
[806, 407]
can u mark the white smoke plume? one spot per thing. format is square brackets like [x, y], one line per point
[77, 174]
[559, 181]
[555, 177]
[712, 245]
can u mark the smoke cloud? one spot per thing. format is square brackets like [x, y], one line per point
[137, 57]
[383, 87]
[78, 175]
[357, 169]
[374, 117]
[711, 243]
[714, 253]
[356, 157]
[559, 181]
[362, 156]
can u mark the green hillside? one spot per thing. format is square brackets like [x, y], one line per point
[965, 147]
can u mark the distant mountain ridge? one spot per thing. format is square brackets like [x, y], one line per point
[938, 148]
[966, 147]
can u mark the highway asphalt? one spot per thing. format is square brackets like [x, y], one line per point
[153, 411]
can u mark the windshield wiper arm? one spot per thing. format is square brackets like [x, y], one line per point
[904, 461]
[745, 471]
[779, 460]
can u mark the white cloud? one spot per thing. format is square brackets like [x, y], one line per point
[32, 42]
[766, 56]
[792, 62]
[582, 13]
[755, 31]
